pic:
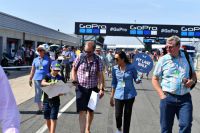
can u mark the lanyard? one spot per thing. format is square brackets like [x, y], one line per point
[40, 63]
[89, 66]
[41, 60]
[177, 72]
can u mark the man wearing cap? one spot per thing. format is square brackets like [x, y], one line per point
[65, 63]
[9, 113]
[73, 56]
[51, 105]
[110, 58]
[87, 73]
[40, 67]
[104, 60]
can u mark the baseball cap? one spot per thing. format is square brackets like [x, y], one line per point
[98, 47]
[55, 65]
[65, 46]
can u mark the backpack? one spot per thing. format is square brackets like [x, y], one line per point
[83, 59]
[190, 67]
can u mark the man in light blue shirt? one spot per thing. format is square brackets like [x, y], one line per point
[65, 63]
[172, 81]
[110, 58]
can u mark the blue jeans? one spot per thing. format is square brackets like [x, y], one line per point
[38, 91]
[182, 107]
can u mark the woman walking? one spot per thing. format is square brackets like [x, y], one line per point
[123, 91]
[40, 68]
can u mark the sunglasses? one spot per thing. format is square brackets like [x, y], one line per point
[170, 47]
[116, 59]
[40, 50]
[57, 70]
[88, 52]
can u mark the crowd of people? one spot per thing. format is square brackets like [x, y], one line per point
[173, 79]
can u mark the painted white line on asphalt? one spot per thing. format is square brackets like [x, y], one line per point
[15, 67]
[44, 127]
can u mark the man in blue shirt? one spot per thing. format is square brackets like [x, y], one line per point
[174, 87]
[72, 56]
[65, 63]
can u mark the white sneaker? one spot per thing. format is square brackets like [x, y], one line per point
[118, 131]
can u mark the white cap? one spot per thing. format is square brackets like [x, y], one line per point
[41, 47]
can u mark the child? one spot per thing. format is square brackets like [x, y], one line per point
[51, 105]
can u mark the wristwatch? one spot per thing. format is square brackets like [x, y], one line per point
[193, 82]
[74, 82]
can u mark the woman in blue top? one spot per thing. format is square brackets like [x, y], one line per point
[123, 90]
[40, 68]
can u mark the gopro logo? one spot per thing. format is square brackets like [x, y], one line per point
[190, 29]
[145, 27]
[92, 26]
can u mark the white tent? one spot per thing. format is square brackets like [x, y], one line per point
[134, 46]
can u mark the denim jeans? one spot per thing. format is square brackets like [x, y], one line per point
[182, 107]
[38, 91]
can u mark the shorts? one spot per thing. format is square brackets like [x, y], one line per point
[82, 98]
[51, 110]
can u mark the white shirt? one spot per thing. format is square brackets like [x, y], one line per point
[9, 113]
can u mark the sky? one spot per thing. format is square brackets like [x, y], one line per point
[62, 14]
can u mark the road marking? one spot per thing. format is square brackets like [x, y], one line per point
[15, 67]
[44, 127]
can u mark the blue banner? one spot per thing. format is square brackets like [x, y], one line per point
[143, 63]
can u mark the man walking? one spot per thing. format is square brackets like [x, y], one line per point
[177, 75]
[86, 75]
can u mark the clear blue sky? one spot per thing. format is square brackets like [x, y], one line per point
[62, 14]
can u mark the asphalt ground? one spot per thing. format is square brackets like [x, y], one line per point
[145, 115]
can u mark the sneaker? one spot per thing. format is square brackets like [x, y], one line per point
[118, 131]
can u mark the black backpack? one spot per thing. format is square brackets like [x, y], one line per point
[83, 59]
[190, 72]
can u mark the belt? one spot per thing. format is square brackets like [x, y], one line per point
[168, 93]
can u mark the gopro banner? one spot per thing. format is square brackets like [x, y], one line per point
[143, 63]
[137, 30]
